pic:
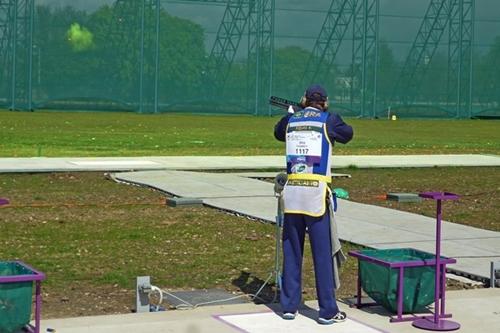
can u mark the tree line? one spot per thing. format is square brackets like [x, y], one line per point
[98, 56]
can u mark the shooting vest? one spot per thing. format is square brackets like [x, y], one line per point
[308, 160]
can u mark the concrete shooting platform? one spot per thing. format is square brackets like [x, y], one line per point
[476, 310]
[367, 225]
[67, 164]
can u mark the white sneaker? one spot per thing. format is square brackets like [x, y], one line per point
[338, 318]
[289, 315]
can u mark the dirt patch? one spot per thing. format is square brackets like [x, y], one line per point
[81, 300]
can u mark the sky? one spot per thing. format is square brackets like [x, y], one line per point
[298, 22]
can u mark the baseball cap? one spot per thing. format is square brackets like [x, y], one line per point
[316, 93]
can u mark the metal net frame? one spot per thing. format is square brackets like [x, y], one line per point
[229, 56]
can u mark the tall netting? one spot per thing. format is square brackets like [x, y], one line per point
[377, 58]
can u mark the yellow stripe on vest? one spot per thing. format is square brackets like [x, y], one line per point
[309, 176]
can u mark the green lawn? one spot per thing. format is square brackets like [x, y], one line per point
[93, 237]
[27, 134]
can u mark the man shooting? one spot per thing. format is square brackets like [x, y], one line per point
[310, 135]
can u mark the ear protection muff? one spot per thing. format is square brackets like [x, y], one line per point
[303, 100]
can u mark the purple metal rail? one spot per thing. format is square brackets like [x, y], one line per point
[37, 277]
[433, 322]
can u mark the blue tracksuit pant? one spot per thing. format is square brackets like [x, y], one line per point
[294, 230]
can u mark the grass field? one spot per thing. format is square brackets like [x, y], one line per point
[93, 236]
[27, 134]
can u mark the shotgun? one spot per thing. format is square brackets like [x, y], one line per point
[286, 104]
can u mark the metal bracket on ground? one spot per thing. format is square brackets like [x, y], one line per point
[142, 290]
[495, 275]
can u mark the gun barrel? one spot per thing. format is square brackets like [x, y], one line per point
[283, 103]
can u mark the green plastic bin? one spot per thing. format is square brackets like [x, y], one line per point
[379, 279]
[15, 298]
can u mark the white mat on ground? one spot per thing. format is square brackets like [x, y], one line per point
[270, 322]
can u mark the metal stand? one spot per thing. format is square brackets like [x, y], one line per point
[437, 323]
[276, 272]
[142, 291]
[495, 274]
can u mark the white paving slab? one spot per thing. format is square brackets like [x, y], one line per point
[119, 163]
[271, 322]
[200, 185]
[48, 164]
[368, 225]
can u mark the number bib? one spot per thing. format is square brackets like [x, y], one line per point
[304, 143]
[303, 149]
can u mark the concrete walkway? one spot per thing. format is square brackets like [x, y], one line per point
[367, 225]
[476, 311]
[46, 164]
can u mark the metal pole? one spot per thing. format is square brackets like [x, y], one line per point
[157, 54]
[277, 254]
[14, 57]
[353, 57]
[494, 274]
[257, 55]
[39, 71]
[471, 65]
[401, 286]
[358, 286]
[375, 70]
[38, 305]
[460, 54]
[141, 60]
[443, 290]
[438, 263]
[363, 61]
[271, 55]
[449, 91]
[251, 9]
[30, 69]
[277, 258]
